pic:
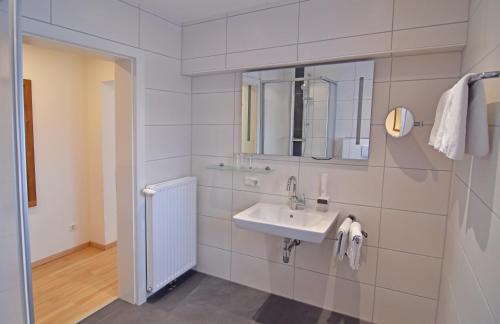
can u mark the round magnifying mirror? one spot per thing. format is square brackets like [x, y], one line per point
[399, 122]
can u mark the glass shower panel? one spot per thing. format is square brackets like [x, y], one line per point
[14, 291]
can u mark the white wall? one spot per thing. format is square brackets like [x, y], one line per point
[108, 152]
[400, 194]
[99, 135]
[305, 31]
[471, 271]
[60, 136]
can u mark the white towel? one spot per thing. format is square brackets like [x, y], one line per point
[342, 237]
[355, 243]
[461, 123]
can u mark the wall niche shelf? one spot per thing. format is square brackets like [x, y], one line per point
[246, 169]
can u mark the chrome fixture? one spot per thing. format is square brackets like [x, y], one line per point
[485, 75]
[295, 202]
[287, 250]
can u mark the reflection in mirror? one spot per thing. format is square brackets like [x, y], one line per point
[399, 122]
[320, 111]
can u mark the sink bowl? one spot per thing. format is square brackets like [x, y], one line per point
[306, 225]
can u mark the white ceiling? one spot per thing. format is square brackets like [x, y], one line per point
[186, 11]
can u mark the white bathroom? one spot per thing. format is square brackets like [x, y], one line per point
[287, 161]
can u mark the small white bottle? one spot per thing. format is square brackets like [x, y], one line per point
[322, 201]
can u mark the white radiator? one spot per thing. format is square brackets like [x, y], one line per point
[170, 230]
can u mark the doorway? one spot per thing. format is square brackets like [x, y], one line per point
[77, 105]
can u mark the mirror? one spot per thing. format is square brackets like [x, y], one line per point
[318, 111]
[399, 122]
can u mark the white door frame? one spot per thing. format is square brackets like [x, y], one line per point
[132, 283]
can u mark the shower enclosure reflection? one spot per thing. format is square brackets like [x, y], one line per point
[320, 111]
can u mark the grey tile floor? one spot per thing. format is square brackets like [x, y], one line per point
[199, 298]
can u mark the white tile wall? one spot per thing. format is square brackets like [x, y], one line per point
[320, 258]
[416, 190]
[413, 151]
[325, 19]
[119, 22]
[214, 202]
[214, 261]
[167, 141]
[447, 311]
[348, 184]
[402, 230]
[213, 108]
[204, 39]
[263, 29]
[471, 268]
[262, 57]
[368, 216]
[167, 108]
[207, 177]
[214, 232]
[485, 178]
[333, 293]
[392, 307]
[482, 36]
[421, 95]
[167, 169]
[257, 244]
[400, 196]
[36, 9]
[365, 45]
[428, 37]
[258, 273]
[414, 274]
[213, 140]
[164, 73]
[409, 13]
[159, 35]
[322, 30]
[204, 64]
[302, 31]
[430, 66]
[112, 20]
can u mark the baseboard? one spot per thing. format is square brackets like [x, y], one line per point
[61, 254]
[103, 247]
[58, 255]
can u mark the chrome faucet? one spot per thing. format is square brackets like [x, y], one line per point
[295, 202]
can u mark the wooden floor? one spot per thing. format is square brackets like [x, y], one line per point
[72, 287]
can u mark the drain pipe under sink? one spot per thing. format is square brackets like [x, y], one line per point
[289, 244]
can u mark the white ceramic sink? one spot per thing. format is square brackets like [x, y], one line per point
[306, 225]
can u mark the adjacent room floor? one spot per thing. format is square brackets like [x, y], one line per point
[199, 298]
[72, 287]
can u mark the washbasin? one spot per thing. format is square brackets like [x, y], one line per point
[306, 225]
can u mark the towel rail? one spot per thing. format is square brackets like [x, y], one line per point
[485, 75]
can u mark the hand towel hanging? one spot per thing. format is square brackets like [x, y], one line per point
[342, 238]
[461, 123]
[355, 243]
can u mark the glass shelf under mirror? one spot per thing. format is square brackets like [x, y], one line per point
[223, 167]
